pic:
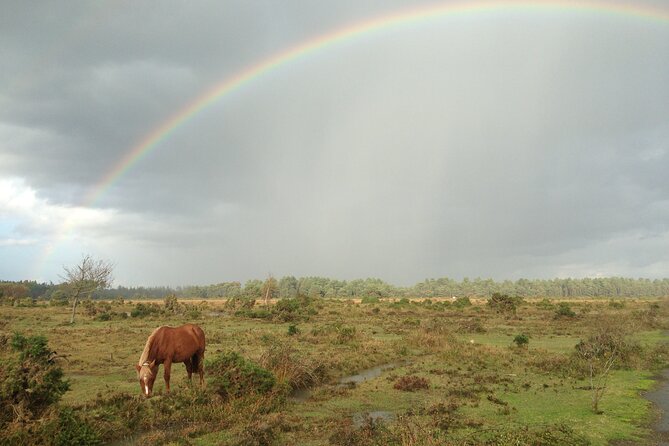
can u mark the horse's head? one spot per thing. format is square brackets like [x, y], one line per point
[147, 375]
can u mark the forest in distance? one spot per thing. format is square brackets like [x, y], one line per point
[290, 286]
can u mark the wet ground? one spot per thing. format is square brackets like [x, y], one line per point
[660, 397]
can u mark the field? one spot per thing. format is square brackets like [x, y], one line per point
[433, 371]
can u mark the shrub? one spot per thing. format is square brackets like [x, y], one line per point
[239, 302]
[545, 304]
[502, 303]
[31, 381]
[462, 302]
[564, 311]
[68, 429]
[474, 325]
[232, 376]
[142, 310]
[290, 367]
[411, 383]
[370, 300]
[521, 340]
[171, 304]
[293, 330]
[293, 309]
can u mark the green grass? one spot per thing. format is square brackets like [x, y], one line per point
[432, 344]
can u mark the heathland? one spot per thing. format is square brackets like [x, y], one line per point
[331, 371]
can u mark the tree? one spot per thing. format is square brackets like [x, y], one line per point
[86, 277]
[270, 289]
[13, 292]
[600, 351]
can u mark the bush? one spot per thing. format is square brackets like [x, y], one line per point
[68, 429]
[239, 303]
[564, 311]
[142, 310]
[411, 383]
[521, 340]
[462, 302]
[545, 304]
[503, 303]
[232, 376]
[293, 309]
[370, 300]
[293, 330]
[30, 381]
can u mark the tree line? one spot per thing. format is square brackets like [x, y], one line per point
[323, 287]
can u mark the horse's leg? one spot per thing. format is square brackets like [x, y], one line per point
[200, 366]
[168, 366]
[189, 368]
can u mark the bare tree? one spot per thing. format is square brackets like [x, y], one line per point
[85, 277]
[270, 288]
[600, 351]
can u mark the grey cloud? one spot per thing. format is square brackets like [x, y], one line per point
[480, 146]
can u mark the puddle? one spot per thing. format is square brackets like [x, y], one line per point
[660, 397]
[365, 375]
[302, 395]
[360, 418]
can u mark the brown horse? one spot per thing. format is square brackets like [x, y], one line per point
[167, 345]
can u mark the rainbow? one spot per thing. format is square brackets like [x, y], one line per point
[152, 140]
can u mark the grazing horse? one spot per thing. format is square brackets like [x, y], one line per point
[167, 345]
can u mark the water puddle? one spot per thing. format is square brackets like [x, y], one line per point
[368, 374]
[660, 397]
[302, 395]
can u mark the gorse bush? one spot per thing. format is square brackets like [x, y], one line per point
[462, 302]
[294, 309]
[231, 376]
[69, 429]
[564, 310]
[370, 300]
[521, 340]
[30, 379]
[142, 310]
[503, 303]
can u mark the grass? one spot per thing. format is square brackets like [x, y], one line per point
[488, 384]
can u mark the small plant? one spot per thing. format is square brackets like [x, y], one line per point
[462, 302]
[411, 383]
[293, 330]
[143, 310]
[545, 304]
[564, 311]
[521, 340]
[370, 300]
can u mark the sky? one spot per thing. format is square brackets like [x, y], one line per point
[504, 141]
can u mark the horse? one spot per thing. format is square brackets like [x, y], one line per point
[167, 345]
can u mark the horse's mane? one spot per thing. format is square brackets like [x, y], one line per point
[145, 354]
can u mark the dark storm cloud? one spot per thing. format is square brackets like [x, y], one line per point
[501, 145]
